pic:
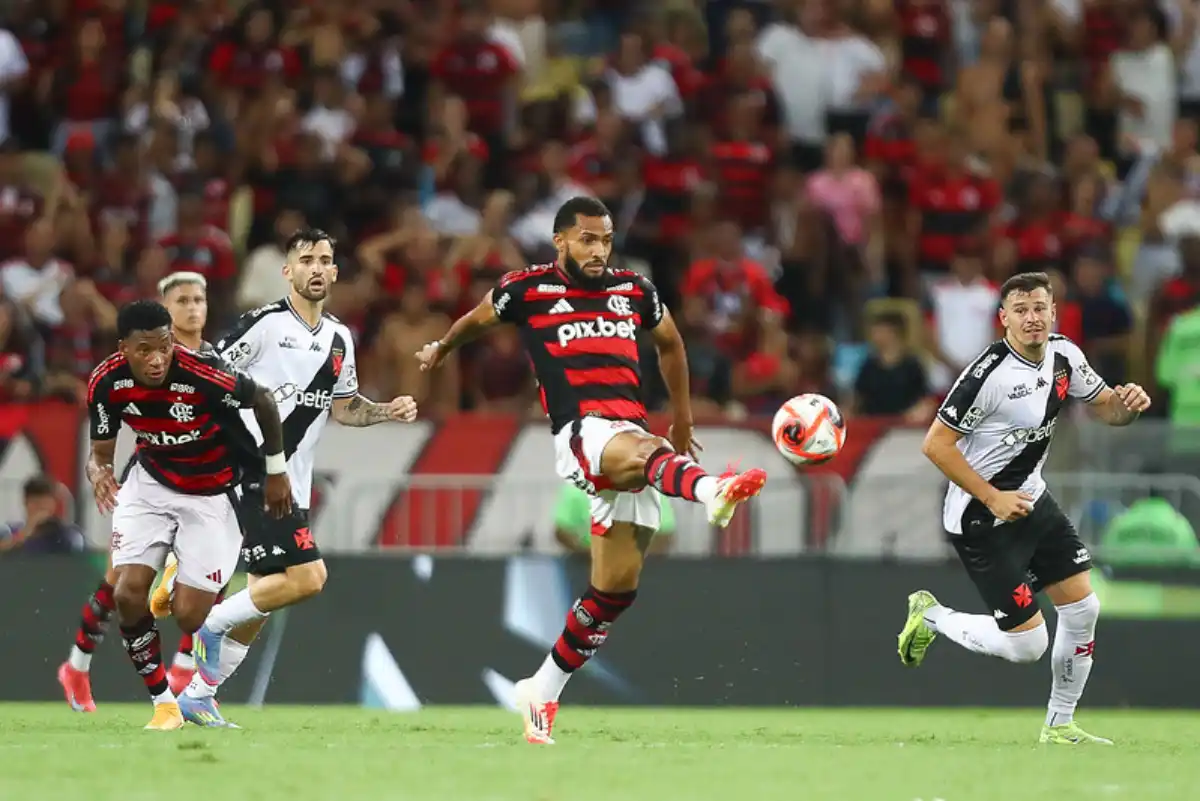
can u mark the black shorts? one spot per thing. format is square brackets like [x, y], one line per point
[271, 544]
[1011, 562]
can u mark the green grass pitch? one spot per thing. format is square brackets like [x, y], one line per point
[477, 754]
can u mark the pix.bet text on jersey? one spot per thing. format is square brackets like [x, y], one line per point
[1006, 408]
[583, 342]
[305, 368]
[190, 434]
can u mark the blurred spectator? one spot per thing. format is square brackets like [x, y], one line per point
[14, 69]
[962, 316]
[1178, 368]
[43, 530]
[36, 281]
[17, 374]
[891, 382]
[500, 376]
[796, 66]
[1105, 323]
[1144, 79]
[262, 280]
[403, 333]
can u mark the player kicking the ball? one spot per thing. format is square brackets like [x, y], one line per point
[305, 357]
[192, 448]
[990, 438]
[185, 296]
[579, 320]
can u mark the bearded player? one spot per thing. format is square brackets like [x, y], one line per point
[579, 320]
[185, 294]
[192, 450]
[305, 357]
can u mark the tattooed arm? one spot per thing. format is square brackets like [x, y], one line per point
[358, 411]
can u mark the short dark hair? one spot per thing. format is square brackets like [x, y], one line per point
[142, 315]
[307, 238]
[39, 486]
[582, 206]
[1025, 282]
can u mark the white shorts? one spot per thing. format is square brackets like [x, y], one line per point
[151, 519]
[578, 449]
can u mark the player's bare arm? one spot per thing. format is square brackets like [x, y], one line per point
[469, 327]
[1120, 405]
[100, 474]
[359, 411]
[277, 488]
[941, 448]
[672, 361]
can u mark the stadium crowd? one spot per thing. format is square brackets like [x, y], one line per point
[827, 192]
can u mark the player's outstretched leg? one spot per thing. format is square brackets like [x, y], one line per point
[143, 643]
[1023, 643]
[73, 674]
[617, 558]
[1071, 659]
[633, 459]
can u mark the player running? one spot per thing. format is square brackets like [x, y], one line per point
[192, 447]
[185, 296]
[990, 438]
[305, 357]
[579, 320]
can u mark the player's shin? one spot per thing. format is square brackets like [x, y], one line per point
[679, 477]
[981, 634]
[587, 627]
[233, 653]
[234, 611]
[97, 613]
[1071, 657]
[144, 646]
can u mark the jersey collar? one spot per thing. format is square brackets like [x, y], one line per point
[1020, 358]
[302, 321]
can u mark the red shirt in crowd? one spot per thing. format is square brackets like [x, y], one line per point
[208, 253]
[18, 208]
[743, 173]
[733, 289]
[669, 183]
[241, 67]
[1038, 243]
[952, 208]
[925, 36]
[480, 73]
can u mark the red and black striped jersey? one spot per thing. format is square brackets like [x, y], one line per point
[190, 435]
[582, 342]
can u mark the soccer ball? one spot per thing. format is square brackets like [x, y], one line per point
[809, 429]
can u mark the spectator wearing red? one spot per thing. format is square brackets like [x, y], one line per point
[20, 203]
[593, 161]
[947, 203]
[925, 31]
[743, 164]
[484, 74]
[451, 141]
[252, 56]
[890, 150]
[85, 88]
[738, 291]
[79, 341]
[1032, 242]
[213, 174]
[122, 194]
[736, 75]
[1178, 294]
[1080, 227]
[199, 247]
[670, 180]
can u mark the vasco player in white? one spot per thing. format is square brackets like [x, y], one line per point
[305, 357]
[990, 438]
[579, 320]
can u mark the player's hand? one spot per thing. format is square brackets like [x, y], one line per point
[1133, 396]
[683, 440]
[1008, 505]
[402, 409]
[278, 493]
[104, 487]
[431, 356]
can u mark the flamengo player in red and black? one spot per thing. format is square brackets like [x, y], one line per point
[192, 447]
[579, 320]
[186, 297]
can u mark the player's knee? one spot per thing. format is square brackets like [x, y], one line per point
[189, 617]
[1028, 645]
[640, 454]
[132, 599]
[307, 580]
[1081, 615]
